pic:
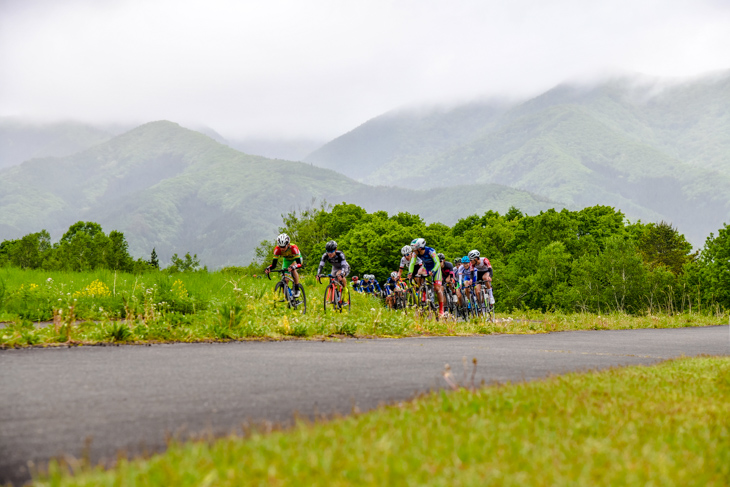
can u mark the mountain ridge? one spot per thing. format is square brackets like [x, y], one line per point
[177, 190]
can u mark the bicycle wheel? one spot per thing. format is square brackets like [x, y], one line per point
[425, 299]
[411, 298]
[299, 302]
[280, 294]
[345, 296]
[329, 298]
[450, 301]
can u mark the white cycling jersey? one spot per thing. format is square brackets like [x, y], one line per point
[405, 261]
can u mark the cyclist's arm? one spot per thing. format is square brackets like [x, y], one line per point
[436, 261]
[413, 263]
[321, 264]
[273, 263]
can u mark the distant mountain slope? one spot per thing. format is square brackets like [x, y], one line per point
[654, 149]
[178, 190]
[20, 141]
[276, 148]
[404, 137]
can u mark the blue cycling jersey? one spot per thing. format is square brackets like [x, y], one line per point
[370, 286]
[428, 258]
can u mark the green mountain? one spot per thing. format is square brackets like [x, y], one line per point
[178, 190]
[21, 140]
[404, 137]
[657, 151]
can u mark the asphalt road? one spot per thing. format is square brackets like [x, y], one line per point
[131, 397]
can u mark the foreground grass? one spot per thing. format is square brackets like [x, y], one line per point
[663, 425]
[105, 307]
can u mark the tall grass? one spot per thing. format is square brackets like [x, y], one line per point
[104, 306]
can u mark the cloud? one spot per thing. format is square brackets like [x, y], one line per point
[321, 67]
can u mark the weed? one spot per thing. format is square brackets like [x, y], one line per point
[118, 331]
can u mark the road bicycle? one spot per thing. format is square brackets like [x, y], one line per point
[398, 297]
[283, 292]
[486, 309]
[335, 296]
[468, 306]
[451, 303]
[424, 296]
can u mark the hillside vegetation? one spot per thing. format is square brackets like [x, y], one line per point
[658, 152]
[178, 191]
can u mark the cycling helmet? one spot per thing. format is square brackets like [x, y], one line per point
[394, 275]
[406, 250]
[418, 243]
[442, 257]
[354, 278]
[474, 254]
[282, 240]
[465, 259]
[331, 246]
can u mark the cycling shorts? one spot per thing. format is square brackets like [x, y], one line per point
[285, 263]
[345, 270]
[480, 275]
[437, 277]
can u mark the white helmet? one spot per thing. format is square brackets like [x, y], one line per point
[418, 243]
[474, 254]
[394, 275]
[282, 240]
[406, 250]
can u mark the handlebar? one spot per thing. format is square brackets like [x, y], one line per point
[281, 271]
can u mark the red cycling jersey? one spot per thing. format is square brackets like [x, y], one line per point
[291, 253]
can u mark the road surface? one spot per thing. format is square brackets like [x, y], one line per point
[131, 397]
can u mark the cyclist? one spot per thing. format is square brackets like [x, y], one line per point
[356, 284]
[482, 266]
[291, 259]
[407, 253]
[431, 264]
[447, 269]
[371, 284]
[340, 267]
[392, 287]
[466, 276]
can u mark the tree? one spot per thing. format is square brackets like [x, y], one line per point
[30, 251]
[83, 247]
[117, 255]
[187, 264]
[715, 268]
[154, 261]
[662, 245]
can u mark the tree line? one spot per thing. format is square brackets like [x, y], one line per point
[84, 247]
[587, 260]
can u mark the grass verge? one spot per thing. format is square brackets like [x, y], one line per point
[105, 307]
[667, 424]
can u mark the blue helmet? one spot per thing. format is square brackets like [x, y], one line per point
[465, 260]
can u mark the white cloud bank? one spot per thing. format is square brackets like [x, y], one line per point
[318, 68]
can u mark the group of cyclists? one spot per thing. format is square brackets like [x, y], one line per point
[421, 262]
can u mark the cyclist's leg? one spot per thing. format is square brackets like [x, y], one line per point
[437, 285]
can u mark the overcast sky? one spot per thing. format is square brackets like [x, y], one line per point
[318, 68]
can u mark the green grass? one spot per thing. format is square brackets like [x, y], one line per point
[104, 307]
[662, 425]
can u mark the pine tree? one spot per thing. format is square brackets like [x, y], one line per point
[154, 262]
